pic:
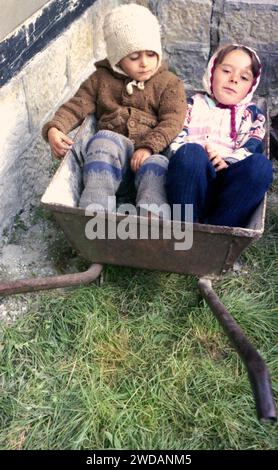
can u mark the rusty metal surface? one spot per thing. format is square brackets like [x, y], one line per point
[255, 365]
[214, 249]
[51, 282]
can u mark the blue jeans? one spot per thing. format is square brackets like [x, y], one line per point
[227, 197]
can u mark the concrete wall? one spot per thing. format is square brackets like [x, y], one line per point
[191, 29]
[26, 102]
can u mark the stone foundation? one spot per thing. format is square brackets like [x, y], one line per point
[191, 30]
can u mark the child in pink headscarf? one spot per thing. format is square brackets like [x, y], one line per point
[217, 161]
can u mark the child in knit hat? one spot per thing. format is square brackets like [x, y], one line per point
[139, 106]
[218, 163]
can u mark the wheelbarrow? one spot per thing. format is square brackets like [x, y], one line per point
[159, 252]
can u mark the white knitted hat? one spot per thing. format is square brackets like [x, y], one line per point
[130, 28]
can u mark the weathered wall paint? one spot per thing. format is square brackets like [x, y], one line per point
[33, 36]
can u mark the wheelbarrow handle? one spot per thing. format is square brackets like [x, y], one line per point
[255, 365]
[51, 282]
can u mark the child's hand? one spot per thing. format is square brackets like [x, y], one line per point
[217, 161]
[59, 142]
[138, 158]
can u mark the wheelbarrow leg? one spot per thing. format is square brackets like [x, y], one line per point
[51, 282]
[255, 365]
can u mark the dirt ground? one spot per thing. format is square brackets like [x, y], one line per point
[35, 247]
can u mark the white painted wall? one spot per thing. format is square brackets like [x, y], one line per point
[15, 12]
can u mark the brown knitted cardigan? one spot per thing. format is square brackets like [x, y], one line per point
[151, 117]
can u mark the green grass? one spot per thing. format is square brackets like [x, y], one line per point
[141, 363]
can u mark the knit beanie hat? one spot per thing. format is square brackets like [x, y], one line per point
[128, 29]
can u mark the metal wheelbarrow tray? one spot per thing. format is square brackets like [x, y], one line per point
[214, 250]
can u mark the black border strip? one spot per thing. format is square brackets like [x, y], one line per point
[15, 51]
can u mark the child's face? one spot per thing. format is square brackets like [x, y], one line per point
[232, 79]
[140, 66]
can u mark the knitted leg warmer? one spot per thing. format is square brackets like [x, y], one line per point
[150, 185]
[107, 156]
